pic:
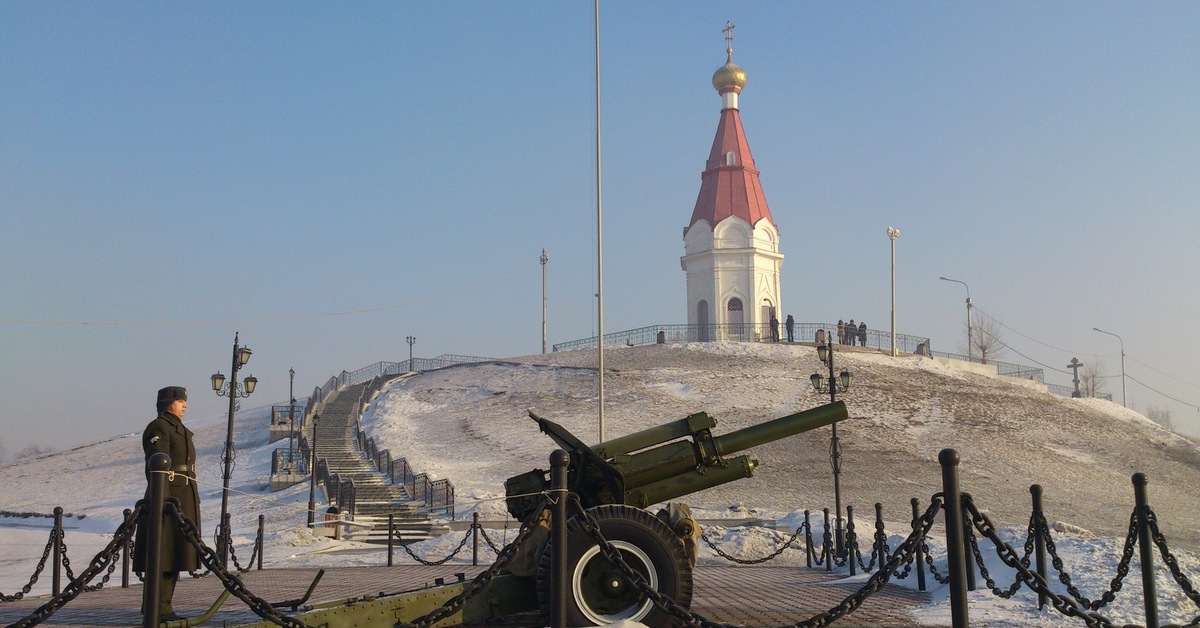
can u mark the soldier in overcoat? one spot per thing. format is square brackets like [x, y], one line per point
[167, 434]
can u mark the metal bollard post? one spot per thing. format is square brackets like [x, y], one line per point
[125, 557]
[226, 539]
[919, 556]
[558, 538]
[159, 463]
[1145, 549]
[1039, 541]
[880, 535]
[475, 538]
[56, 536]
[391, 529]
[807, 541]
[952, 493]
[258, 542]
[826, 543]
[851, 539]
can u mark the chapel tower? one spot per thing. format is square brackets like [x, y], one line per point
[731, 245]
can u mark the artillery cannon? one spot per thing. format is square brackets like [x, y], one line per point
[614, 480]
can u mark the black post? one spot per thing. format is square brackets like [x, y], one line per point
[475, 540]
[827, 542]
[125, 556]
[159, 463]
[851, 540]
[558, 538]
[808, 550]
[391, 529]
[1039, 540]
[952, 493]
[1145, 549]
[57, 535]
[225, 539]
[919, 556]
[880, 535]
[258, 542]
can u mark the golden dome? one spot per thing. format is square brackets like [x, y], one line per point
[729, 75]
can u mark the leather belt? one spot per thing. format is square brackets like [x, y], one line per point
[181, 470]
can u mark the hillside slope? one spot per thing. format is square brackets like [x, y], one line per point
[469, 423]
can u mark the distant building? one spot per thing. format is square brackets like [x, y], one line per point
[731, 245]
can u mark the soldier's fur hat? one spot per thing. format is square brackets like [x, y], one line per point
[166, 396]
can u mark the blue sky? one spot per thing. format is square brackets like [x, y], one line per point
[327, 180]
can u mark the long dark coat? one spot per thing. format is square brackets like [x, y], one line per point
[167, 434]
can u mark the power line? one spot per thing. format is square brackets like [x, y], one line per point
[1190, 405]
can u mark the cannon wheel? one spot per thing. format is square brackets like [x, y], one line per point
[598, 593]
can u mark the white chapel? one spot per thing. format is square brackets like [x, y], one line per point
[731, 245]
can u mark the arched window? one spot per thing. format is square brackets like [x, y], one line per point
[735, 318]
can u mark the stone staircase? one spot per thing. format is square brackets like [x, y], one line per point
[375, 497]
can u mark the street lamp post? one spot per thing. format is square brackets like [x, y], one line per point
[970, 340]
[892, 235]
[312, 471]
[412, 340]
[841, 382]
[291, 413]
[543, 259]
[1123, 402]
[233, 390]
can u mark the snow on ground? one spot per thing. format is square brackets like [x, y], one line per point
[470, 424]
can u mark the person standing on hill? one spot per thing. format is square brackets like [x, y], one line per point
[851, 332]
[841, 332]
[862, 334]
[790, 325]
[166, 434]
[774, 329]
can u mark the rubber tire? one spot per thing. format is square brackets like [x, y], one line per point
[647, 544]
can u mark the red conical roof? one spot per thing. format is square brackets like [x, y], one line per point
[730, 186]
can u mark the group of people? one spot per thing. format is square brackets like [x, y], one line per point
[851, 334]
[789, 325]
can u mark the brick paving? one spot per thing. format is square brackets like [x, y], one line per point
[750, 596]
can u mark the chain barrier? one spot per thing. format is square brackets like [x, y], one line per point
[66, 562]
[755, 561]
[109, 555]
[933, 568]
[1008, 555]
[1169, 559]
[208, 557]
[487, 539]
[1030, 539]
[36, 573]
[434, 563]
[1117, 582]
[903, 553]
[505, 557]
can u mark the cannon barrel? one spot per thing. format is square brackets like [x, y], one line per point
[782, 427]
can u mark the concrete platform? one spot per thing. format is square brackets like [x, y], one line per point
[750, 596]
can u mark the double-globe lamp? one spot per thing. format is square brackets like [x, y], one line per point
[233, 390]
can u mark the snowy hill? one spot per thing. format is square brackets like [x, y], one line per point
[468, 423]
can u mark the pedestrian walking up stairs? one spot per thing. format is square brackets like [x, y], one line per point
[375, 498]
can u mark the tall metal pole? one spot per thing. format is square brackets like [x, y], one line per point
[411, 340]
[599, 243]
[892, 235]
[227, 456]
[1123, 402]
[970, 336]
[291, 412]
[835, 459]
[543, 259]
[312, 472]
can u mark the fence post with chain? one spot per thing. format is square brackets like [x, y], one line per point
[1146, 550]
[1039, 540]
[159, 463]
[391, 530]
[880, 535]
[827, 544]
[558, 537]
[258, 542]
[807, 541]
[851, 539]
[955, 543]
[475, 539]
[56, 553]
[918, 554]
[125, 557]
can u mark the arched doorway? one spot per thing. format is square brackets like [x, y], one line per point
[703, 333]
[735, 318]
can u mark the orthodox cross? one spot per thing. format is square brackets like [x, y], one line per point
[728, 30]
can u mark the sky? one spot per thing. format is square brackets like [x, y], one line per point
[326, 181]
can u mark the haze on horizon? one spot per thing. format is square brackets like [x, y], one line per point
[327, 182]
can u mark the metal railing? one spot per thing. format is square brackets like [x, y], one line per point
[801, 332]
[1069, 391]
